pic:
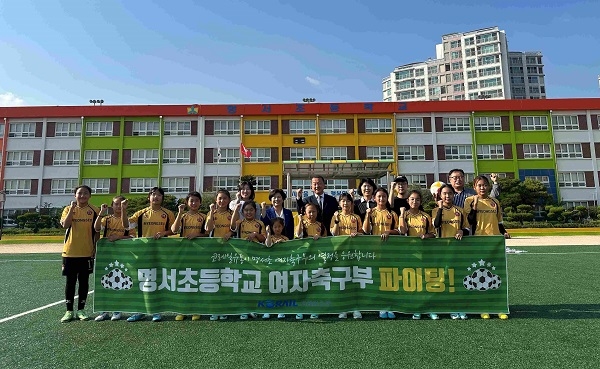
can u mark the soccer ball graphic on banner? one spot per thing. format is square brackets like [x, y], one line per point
[116, 280]
[482, 280]
[435, 187]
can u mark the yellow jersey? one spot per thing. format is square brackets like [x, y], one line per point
[80, 236]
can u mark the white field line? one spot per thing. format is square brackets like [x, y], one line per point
[36, 309]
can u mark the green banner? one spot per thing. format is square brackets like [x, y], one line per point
[329, 275]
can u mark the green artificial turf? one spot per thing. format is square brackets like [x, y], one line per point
[554, 323]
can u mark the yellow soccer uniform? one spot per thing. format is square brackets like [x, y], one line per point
[80, 236]
[278, 239]
[112, 226]
[348, 224]
[222, 223]
[418, 224]
[247, 227]
[383, 220]
[311, 229]
[453, 220]
[192, 223]
[489, 215]
[149, 222]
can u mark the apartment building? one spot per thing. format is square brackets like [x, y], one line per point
[469, 66]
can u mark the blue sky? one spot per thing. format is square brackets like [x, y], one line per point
[182, 52]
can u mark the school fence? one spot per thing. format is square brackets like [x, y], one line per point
[329, 275]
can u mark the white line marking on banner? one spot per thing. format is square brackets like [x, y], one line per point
[37, 309]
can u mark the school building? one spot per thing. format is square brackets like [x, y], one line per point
[47, 151]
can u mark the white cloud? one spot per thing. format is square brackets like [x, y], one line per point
[312, 81]
[10, 99]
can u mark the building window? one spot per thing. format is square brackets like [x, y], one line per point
[226, 183]
[571, 179]
[420, 82]
[337, 185]
[404, 74]
[98, 185]
[142, 185]
[456, 124]
[458, 76]
[487, 49]
[565, 122]
[411, 152]
[458, 152]
[544, 179]
[257, 127]
[419, 72]
[21, 130]
[490, 59]
[417, 180]
[490, 152]
[409, 125]
[176, 184]
[260, 154]
[534, 123]
[472, 74]
[306, 126]
[574, 204]
[63, 186]
[536, 151]
[433, 69]
[406, 84]
[63, 129]
[97, 157]
[334, 153]
[487, 124]
[146, 128]
[490, 82]
[472, 85]
[65, 157]
[487, 37]
[471, 63]
[227, 156]
[19, 158]
[263, 183]
[332, 125]
[1, 130]
[380, 152]
[176, 156]
[569, 150]
[303, 153]
[378, 125]
[17, 186]
[456, 55]
[456, 65]
[98, 128]
[433, 80]
[470, 52]
[454, 44]
[227, 127]
[469, 41]
[177, 128]
[148, 156]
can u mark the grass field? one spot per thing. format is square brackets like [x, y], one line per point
[554, 323]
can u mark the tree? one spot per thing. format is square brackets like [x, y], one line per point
[248, 178]
[139, 202]
[529, 192]
[555, 213]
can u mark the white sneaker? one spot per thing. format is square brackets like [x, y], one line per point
[343, 315]
[280, 316]
[214, 317]
[266, 316]
[356, 315]
[102, 317]
[314, 316]
[116, 316]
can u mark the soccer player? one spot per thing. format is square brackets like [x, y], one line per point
[190, 224]
[112, 229]
[416, 223]
[346, 223]
[78, 251]
[309, 226]
[380, 221]
[485, 217]
[274, 236]
[449, 221]
[218, 219]
[153, 221]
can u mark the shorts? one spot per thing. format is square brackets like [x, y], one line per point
[77, 265]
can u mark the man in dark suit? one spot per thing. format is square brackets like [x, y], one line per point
[326, 204]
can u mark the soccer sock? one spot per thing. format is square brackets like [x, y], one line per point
[84, 278]
[70, 290]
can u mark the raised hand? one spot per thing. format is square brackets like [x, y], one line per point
[104, 209]
[299, 193]
[124, 205]
[181, 208]
[212, 207]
